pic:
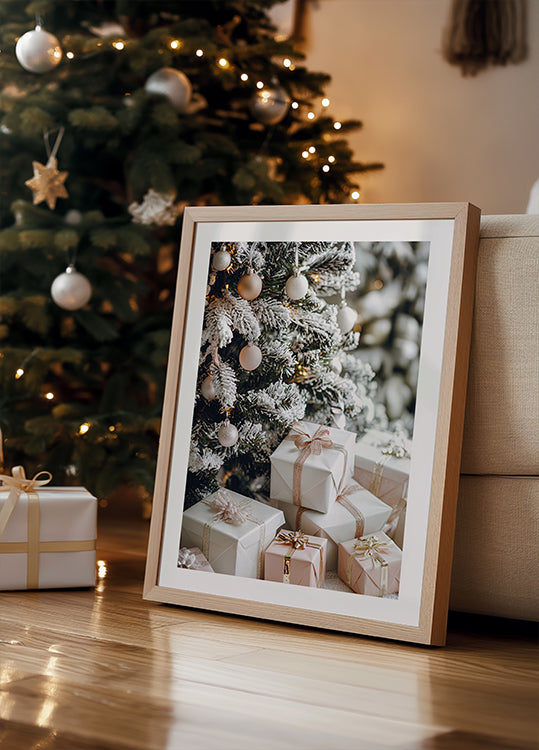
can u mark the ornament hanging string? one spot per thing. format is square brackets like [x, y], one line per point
[57, 142]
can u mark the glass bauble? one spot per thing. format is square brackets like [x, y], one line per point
[173, 84]
[38, 51]
[71, 290]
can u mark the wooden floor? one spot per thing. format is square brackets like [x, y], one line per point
[97, 670]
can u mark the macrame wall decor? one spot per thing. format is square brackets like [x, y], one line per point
[480, 33]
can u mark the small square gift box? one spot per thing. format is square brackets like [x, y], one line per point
[310, 464]
[232, 531]
[293, 557]
[193, 559]
[47, 534]
[382, 465]
[357, 512]
[371, 564]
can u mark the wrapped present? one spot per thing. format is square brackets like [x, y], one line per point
[309, 465]
[232, 531]
[371, 564]
[293, 557]
[356, 512]
[382, 465]
[47, 534]
[193, 559]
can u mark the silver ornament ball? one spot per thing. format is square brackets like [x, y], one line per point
[250, 286]
[38, 51]
[296, 287]
[173, 84]
[227, 435]
[71, 290]
[250, 357]
[346, 318]
[221, 260]
[207, 388]
[270, 105]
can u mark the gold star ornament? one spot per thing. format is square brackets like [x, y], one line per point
[47, 184]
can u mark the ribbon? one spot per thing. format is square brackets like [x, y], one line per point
[369, 548]
[308, 445]
[33, 547]
[296, 540]
[358, 516]
[187, 559]
[230, 511]
[391, 523]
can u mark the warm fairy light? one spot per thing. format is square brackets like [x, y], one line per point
[259, 85]
[287, 62]
[354, 195]
[101, 569]
[325, 102]
[49, 396]
[312, 150]
[70, 55]
[294, 105]
[244, 77]
[175, 44]
[199, 52]
[57, 54]
[331, 159]
[305, 154]
[223, 62]
[119, 45]
[83, 429]
[291, 66]
[378, 284]
[325, 168]
[112, 428]
[19, 373]
[311, 116]
[337, 125]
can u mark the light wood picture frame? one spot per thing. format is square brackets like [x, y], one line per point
[445, 238]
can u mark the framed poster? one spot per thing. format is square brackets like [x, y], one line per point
[310, 446]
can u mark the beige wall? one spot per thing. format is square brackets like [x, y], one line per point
[442, 137]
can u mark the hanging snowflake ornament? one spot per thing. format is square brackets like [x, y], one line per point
[155, 208]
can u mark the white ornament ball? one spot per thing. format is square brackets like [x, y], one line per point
[346, 318]
[270, 104]
[207, 388]
[250, 357]
[296, 287]
[71, 290]
[221, 260]
[73, 217]
[227, 435]
[173, 84]
[250, 286]
[38, 51]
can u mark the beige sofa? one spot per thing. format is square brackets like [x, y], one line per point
[496, 558]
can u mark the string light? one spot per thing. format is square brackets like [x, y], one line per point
[378, 284]
[311, 116]
[287, 62]
[199, 52]
[312, 150]
[175, 44]
[331, 159]
[325, 168]
[112, 428]
[119, 45]
[337, 125]
[355, 195]
[325, 102]
[49, 396]
[70, 55]
[294, 105]
[305, 154]
[84, 427]
[244, 77]
[223, 62]
[259, 85]
[19, 373]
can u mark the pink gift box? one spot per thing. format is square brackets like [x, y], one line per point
[193, 558]
[293, 557]
[371, 564]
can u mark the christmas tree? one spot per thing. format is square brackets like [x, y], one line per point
[115, 115]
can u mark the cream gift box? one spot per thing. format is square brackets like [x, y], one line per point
[49, 538]
[356, 512]
[309, 465]
[371, 564]
[193, 559]
[382, 465]
[232, 531]
[297, 558]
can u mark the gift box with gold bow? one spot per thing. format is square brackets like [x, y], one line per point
[293, 557]
[355, 513]
[382, 465]
[310, 464]
[47, 534]
[232, 531]
[371, 564]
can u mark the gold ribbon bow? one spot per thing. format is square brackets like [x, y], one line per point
[369, 548]
[16, 485]
[310, 445]
[342, 498]
[296, 540]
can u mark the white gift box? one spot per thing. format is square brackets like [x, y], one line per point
[233, 548]
[66, 554]
[357, 513]
[385, 474]
[312, 480]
